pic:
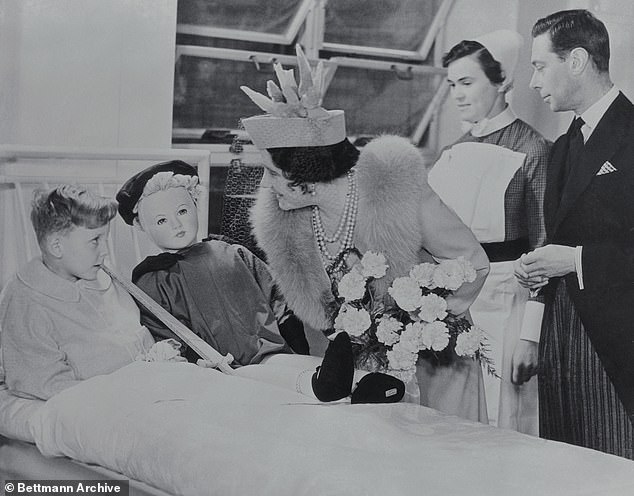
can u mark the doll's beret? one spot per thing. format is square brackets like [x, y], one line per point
[129, 194]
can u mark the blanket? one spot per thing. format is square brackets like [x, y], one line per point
[15, 414]
[189, 430]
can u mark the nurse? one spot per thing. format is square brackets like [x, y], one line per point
[494, 178]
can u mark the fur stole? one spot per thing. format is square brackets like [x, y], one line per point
[392, 184]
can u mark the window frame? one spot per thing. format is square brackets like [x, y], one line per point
[305, 8]
[311, 16]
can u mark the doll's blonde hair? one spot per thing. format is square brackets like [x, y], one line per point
[162, 181]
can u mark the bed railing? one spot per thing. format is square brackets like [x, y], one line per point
[25, 168]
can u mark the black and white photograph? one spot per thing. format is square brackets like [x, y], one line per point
[317, 247]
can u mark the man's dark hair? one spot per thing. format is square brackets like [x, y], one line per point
[489, 65]
[570, 29]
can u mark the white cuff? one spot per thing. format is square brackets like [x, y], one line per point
[578, 266]
[532, 321]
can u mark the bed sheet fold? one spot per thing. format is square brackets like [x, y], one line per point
[189, 430]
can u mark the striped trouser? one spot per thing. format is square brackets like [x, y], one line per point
[577, 401]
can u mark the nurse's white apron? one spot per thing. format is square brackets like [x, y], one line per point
[472, 178]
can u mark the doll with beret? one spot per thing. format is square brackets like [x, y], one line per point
[227, 296]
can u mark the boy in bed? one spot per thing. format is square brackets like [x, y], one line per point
[62, 318]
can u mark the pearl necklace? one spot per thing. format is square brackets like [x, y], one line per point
[347, 222]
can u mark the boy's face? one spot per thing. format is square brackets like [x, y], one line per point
[169, 218]
[82, 252]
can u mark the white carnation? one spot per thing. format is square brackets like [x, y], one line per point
[449, 274]
[435, 336]
[468, 343]
[387, 331]
[352, 286]
[423, 274]
[373, 265]
[432, 307]
[412, 337]
[400, 358]
[467, 268]
[407, 293]
[352, 320]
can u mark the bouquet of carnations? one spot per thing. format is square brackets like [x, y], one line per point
[391, 333]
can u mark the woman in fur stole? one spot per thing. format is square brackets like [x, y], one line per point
[316, 182]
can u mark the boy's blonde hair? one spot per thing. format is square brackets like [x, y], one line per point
[60, 209]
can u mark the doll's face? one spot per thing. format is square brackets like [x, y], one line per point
[169, 217]
[289, 197]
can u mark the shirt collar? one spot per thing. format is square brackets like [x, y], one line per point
[594, 114]
[488, 126]
[41, 279]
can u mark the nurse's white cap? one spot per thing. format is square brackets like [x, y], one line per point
[504, 45]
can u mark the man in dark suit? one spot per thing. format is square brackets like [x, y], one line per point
[586, 355]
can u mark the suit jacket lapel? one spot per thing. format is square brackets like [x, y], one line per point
[601, 146]
[552, 194]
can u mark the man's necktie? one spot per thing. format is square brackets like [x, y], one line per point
[575, 149]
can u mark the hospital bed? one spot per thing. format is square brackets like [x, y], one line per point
[181, 429]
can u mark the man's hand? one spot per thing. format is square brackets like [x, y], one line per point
[546, 262]
[524, 279]
[524, 361]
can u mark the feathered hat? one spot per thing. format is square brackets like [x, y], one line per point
[294, 116]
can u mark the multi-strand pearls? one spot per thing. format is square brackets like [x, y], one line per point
[333, 263]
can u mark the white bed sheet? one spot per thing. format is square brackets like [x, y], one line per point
[20, 458]
[15, 414]
[189, 430]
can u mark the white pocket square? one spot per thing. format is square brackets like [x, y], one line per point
[606, 168]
